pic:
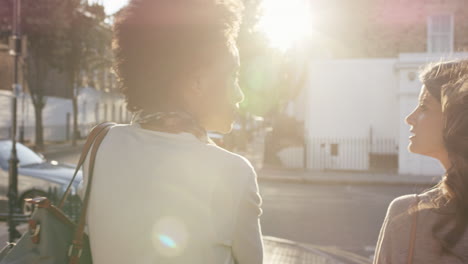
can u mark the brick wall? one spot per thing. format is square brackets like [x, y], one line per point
[382, 28]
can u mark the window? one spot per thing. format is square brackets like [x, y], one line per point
[440, 34]
[334, 149]
[25, 155]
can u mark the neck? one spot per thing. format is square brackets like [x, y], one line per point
[445, 161]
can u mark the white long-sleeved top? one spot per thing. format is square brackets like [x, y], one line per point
[170, 198]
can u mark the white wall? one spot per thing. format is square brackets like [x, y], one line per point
[346, 98]
[55, 113]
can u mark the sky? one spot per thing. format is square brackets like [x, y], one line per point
[112, 6]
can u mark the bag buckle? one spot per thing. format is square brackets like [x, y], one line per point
[34, 231]
[72, 250]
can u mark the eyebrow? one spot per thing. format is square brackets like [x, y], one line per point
[426, 100]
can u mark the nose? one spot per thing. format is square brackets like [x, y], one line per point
[410, 118]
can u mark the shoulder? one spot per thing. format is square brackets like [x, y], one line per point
[428, 196]
[400, 210]
[227, 159]
[233, 169]
[116, 133]
[401, 205]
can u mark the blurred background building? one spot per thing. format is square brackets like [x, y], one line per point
[95, 87]
[363, 81]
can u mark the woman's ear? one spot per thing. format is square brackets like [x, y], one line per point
[195, 86]
[192, 90]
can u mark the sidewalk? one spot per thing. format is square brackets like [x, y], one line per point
[282, 251]
[337, 177]
[4, 235]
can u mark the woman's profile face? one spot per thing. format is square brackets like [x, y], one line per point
[217, 104]
[426, 123]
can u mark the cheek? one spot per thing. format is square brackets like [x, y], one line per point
[428, 134]
[217, 106]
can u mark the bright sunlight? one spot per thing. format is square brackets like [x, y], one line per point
[285, 22]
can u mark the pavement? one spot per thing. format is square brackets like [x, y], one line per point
[282, 251]
[4, 235]
[277, 251]
[346, 178]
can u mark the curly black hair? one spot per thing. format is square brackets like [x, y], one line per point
[159, 43]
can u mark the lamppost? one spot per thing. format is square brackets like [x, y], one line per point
[15, 51]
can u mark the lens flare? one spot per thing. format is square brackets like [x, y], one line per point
[285, 22]
[167, 241]
[170, 236]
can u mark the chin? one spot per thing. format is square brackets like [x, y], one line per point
[223, 128]
[412, 148]
[226, 129]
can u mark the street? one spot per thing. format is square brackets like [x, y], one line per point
[345, 216]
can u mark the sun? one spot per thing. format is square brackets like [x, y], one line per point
[285, 22]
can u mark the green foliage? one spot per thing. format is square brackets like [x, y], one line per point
[269, 78]
[87, 38]
[62, 36]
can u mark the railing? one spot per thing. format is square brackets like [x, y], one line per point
[53, 133]
[350, 154]
[72, 207]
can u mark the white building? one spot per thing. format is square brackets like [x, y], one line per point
[94, 107]
[355, 114]
[359, 95]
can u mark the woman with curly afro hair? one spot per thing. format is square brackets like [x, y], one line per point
[162, 191]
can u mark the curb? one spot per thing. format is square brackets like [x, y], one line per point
[341, 181]
[67, 148]
[54, 149]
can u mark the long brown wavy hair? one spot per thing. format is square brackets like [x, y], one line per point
[448, 83]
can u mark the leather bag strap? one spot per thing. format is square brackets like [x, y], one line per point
[77, 243]
[414, 225]
[87, 146]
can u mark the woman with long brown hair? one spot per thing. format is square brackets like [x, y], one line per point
[432, 227]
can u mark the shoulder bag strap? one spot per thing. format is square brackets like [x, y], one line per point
[413, 231]
[77, 243]
[87, 146]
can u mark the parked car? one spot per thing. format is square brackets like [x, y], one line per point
[36, 176]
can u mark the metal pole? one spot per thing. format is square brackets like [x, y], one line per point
[13, 162]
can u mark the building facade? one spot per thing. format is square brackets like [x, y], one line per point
[365, 81]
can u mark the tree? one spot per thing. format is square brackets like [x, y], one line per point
[87, 40]
[43, 24]
[269, 78]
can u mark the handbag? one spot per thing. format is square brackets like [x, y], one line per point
[52, 237]
[413, 232]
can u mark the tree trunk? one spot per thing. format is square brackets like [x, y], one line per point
[39, 127]
[75, 135]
